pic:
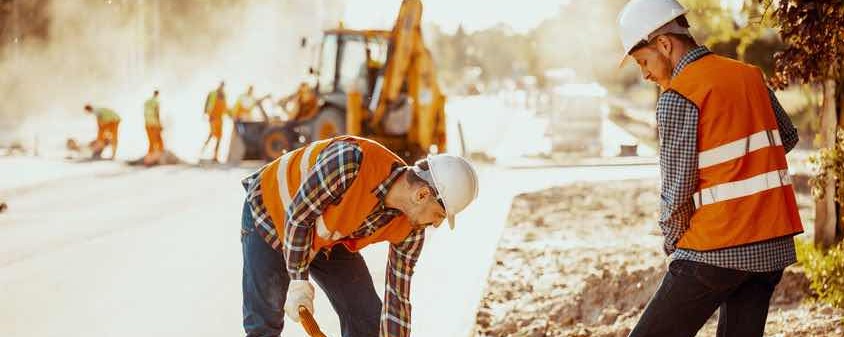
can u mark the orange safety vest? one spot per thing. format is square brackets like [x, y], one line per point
[281, 179]
[215, 104]
[744, 194]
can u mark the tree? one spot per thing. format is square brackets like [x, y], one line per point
[814, 33]
[744, 32]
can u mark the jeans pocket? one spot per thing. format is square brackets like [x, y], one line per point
[682, 268]
[718, 278]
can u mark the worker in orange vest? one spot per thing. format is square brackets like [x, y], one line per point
[152, 122]
[107, 123]
[304, 100]
[309, 212]
[242, 109]
[215, 108]
[728, 210]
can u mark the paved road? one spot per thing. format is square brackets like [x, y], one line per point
[101, 249]
[135, 252]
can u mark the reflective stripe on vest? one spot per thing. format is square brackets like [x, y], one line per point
[150, 109]
[739, 148]
[106, 115]
[742, 188]
[210, 101]
[287, 198]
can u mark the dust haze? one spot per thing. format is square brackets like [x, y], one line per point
[115, 53]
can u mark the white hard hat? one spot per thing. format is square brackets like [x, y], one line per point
[454, 179]
[640, 18]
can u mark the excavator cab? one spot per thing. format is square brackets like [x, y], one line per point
[378, 84]
[349, 60]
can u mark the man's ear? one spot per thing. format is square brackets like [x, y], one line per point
[664, 45]
[421, 194]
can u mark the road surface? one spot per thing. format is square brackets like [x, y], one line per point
[103, 249]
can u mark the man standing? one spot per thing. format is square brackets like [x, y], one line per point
[215, 108]
[152, 120]
[107, 123]
[728, 210]
[309, 212]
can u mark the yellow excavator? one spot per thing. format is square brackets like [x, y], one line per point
[378, 84]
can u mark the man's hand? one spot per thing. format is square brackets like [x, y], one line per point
[299, 293]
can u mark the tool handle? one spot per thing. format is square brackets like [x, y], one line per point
[309, 323]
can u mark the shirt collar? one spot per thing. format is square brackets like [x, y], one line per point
[381, 190]
[690, 56]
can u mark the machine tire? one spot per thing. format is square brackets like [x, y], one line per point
[277, 141]
[329, 122]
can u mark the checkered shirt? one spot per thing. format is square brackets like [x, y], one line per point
[335, 170]
[677, 121]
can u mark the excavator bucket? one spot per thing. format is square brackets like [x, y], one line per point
[237, 149]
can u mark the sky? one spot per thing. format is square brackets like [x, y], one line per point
[521, 15]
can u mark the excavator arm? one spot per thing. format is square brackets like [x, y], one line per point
[409, 63]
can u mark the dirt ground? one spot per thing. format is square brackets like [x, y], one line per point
[583, 260]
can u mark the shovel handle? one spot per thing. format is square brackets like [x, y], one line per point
[309, 323]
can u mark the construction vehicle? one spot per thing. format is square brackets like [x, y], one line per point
[377, 84]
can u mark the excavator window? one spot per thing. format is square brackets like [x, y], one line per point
[353, 64]
[377, 51]
[328, 64]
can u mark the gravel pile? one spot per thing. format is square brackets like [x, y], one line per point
[584, 259]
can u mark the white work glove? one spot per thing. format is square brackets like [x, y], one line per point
[299, 293]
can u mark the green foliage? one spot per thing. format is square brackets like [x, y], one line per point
[497, 51]
[830, 164]
[580, 36]
[714, 24]
[814, 32]
[825, 270]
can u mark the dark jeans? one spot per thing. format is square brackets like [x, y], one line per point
[342, 275]
[690, 293]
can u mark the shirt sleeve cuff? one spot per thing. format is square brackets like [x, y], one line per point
[299, 276]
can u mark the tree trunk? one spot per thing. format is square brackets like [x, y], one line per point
[826, 217]
[839, 236]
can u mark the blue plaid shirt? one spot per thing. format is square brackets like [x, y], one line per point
[677, 121]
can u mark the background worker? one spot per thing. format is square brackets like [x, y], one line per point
[215, 108]
[241, 112]
[728, 210]
[107, 124]
[152, 121]
[304, 100]
[309, 212]
[242, 109]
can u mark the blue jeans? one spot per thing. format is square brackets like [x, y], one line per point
[690, 293]
[342, 275]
